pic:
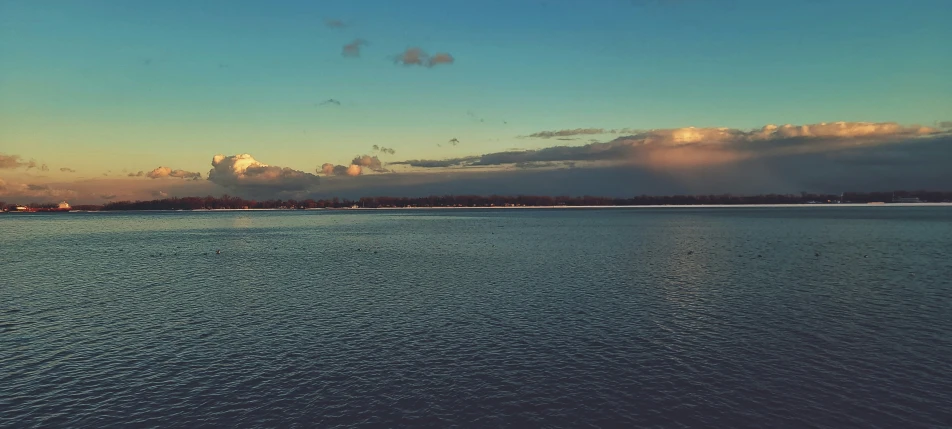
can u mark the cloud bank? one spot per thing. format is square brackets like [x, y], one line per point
[691, 147]
[824, 157]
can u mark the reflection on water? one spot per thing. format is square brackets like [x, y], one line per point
[524, 318]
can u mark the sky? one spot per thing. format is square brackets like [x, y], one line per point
[370, 97]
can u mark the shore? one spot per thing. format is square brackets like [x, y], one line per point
[688, 206]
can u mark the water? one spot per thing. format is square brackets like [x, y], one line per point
[478, 318]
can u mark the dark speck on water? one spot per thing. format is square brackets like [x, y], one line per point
[574, 318]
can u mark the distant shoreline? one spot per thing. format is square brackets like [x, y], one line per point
[684, 206]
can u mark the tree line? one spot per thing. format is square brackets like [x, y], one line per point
[231, 202]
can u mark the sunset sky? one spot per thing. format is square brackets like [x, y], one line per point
[450, 96]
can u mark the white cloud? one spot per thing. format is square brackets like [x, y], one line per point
[243, 171]
[162, 172]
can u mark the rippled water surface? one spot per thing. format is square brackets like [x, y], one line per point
[478, 318]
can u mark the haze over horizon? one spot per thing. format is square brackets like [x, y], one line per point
[103, 101]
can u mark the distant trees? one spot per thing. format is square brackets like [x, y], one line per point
[230, 202]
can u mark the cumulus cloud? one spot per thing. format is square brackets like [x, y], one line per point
[162, 172]
[140, 173]
[352, 49]
[15, 161]
[367, 161]
[688, 147]
[159, 194]
[67, 170]
[417, 57]
[341, 170]
[243, 171]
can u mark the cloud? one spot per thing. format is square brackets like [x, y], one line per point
[352, 49]
[159, 194]
[162, 172]
[140, 173]
[945, 124]
[15, 161]
[386, 150]
[330, 101]
[453, 141]
[440, 58]
[335, 23]
[108, 196]
[341, 170]
[244, 172]
[67, 170]
[441, 163]
[371, 162]
[578, 132]
[691, 147]
[44, 167]
[919, 162]
[42, 192]
[417, 57]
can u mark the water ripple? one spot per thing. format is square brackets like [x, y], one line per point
[516, 318]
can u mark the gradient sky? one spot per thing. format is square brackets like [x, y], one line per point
[110, 85]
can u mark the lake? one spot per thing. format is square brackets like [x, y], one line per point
[669, 317]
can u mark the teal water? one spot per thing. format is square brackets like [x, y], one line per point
[688, 317]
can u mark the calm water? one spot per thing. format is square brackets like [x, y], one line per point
[479, 318]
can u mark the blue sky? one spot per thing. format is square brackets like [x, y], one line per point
[108, 85]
